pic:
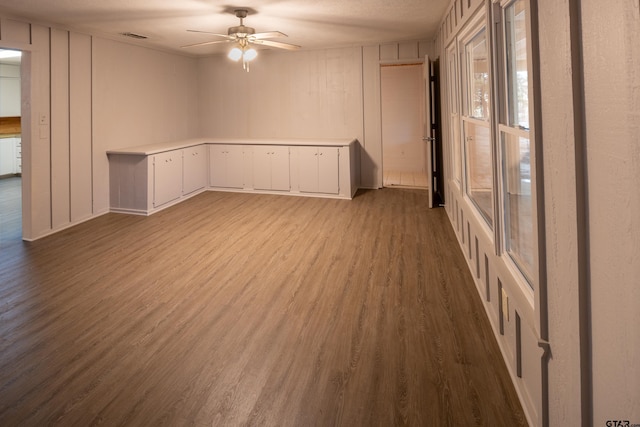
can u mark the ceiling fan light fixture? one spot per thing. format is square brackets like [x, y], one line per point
[250, 54]
[235, 54]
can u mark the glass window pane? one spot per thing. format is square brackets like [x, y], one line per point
[478, 77]
[517, 75]
[479, 170]
[518, 204]
[454, 124]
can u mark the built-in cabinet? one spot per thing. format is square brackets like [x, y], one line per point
[148, 178]
[167, 177]
[194, 161]
[226, 166]
[271, 168]
[10, 156]
[318, 170]
[141, 182]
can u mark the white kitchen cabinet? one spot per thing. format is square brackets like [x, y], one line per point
[19, 155]
[318, 170]
[10, 100]
[167, 177]
[9, 156]
[194, 162]
[226, 166]
[271, 167]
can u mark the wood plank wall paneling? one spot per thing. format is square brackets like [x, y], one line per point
[36, 161]
[15, 31]
[459, 12]
[234, 309]
[80, 132]
[371, 155]
[495, 274]
[60, 150]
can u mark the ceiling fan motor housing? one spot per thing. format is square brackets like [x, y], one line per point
[241, 31]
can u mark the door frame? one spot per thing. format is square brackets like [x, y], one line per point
[25, 132]
[434, 139]
[397, 62]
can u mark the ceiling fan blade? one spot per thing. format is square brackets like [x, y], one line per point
[226, 36]
[206, 43]
[268, 35]
[279, 45]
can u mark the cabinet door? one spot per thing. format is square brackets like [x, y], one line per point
[167, 177]
[217, 166]
[7, 156]
[262, 167]
[194, 168]
[10, 101]
[328, 170]
[280, 168]
[235, 166]
[308, 169]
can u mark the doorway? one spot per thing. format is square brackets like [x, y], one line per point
[10, 146]
[404, 157]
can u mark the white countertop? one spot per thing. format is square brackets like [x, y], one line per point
[149, 149]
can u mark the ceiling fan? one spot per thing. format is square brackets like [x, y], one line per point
[244, 37]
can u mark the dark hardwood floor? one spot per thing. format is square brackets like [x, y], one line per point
[242, 309]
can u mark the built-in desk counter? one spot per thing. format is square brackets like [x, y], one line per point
[147, 178]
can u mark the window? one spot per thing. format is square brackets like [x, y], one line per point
[517, 73]
[479, 166]
[515, 143]
[454, 119]
[478, 76]
[476, 125]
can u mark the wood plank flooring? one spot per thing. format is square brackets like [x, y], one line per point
[242, 309]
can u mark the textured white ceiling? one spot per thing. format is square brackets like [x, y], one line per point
[309, 23]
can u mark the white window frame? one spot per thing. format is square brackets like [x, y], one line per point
[527, 278]
[475, 26]
[453, 102]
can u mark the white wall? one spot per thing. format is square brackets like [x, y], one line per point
[82, 96]
[560, 139]
[590, 115]
[490, 271]
[611, 52]
[140, 96]
[306, 94]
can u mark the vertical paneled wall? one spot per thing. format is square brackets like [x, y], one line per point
[328, 93]
[372, 57]
[60, 152]
[80, 128]
[83, 95]
[33, 40]
[508, 306]
[140, 96]
[306, 94]
[612, 115]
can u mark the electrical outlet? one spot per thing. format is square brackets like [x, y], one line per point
[505, 305]
[43, 119]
